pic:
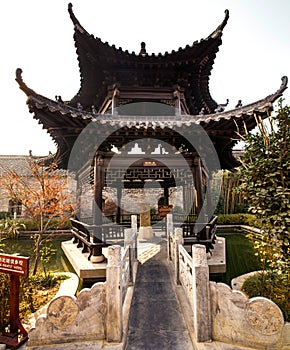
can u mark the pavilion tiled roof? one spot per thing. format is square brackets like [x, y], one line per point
[102, 65]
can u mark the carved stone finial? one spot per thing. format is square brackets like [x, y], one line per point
[284, 82]
[114, 256]
[143, 49]
[58, 98]
[221, 107]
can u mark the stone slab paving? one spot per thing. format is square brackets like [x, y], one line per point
[156, 321]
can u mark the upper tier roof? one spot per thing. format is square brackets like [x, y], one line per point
[102, 66]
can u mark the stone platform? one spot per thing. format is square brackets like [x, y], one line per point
[88, 270]
[82, 266]
[217, 261]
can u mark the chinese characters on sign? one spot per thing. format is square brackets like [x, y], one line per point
[13, 264]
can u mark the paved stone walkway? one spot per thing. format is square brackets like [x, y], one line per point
[156, 321]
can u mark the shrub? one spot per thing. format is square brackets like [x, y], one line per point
[266, 184]
[4, 215]
[55, 224]
[237, 219]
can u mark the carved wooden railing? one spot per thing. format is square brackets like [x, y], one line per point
[200, 233]
[83, 238]
[195, 233]
[92, 238]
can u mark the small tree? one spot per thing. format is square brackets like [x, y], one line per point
[43, 195]
[266, 185]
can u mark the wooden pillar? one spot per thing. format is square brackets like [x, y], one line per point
[193, 199]
[119, 198]
[98, 200]
[198, 185]
[209, 203]
[166, 195]
[78, 198]
[14, 303]
[184, 198]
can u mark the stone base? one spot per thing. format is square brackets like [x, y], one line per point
[146, 232]
[97, 259]
[83, 267]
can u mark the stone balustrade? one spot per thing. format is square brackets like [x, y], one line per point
[97, 314]
[220, 313]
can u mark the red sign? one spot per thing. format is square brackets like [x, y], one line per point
[149, 163]
[14, 264]
[163, 210]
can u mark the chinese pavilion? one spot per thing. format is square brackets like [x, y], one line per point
[157, 100]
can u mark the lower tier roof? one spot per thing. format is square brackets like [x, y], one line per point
[65, 124]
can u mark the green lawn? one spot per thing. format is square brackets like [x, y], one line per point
[240, 257]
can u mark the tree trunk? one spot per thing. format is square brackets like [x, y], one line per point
[37, 253]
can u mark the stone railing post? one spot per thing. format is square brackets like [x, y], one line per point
[201, 293]
[114, 295]
[134, 222]
[129, 244]
[135, 234]
[178, 238]
[128, 235]
[169, 231]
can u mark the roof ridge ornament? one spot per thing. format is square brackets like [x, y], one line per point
[27, 90]
[272, 98]
[75, 21]
[219, 29]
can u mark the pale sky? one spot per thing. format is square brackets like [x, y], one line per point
[37, 36]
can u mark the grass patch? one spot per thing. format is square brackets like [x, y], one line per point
[240, 257]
